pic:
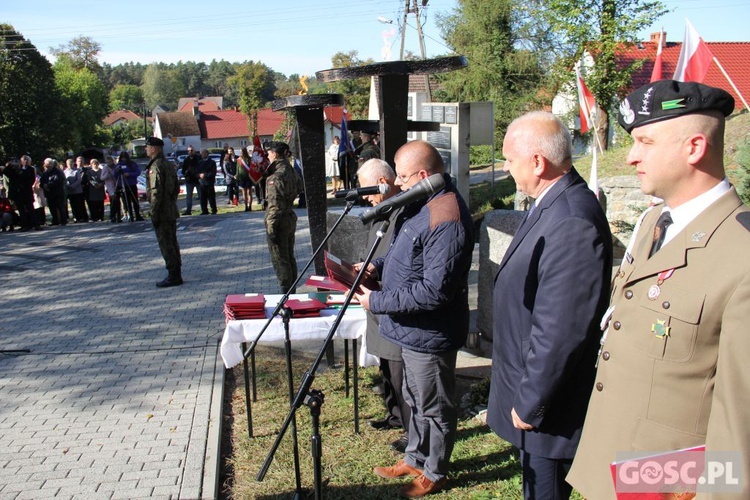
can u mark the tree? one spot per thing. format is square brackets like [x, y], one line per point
[29, 101]
[500, 70]
[82, 51]
[85, 103]
[125, 97]
[194, 78]
[602, 28]
[162, 85]
[217, 79]
[356, 91]
[255, 86]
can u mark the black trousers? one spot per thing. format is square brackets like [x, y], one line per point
[393, 380]
[208, 196]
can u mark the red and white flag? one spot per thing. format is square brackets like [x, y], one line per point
[656, 72]
[586, 104]
[258, 161]
[695, 57]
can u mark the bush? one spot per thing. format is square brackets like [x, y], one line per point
[481, 155]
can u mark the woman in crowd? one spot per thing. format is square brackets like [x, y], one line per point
[74, 177]
[229, 167]
[53, 183]
[243, 179]
[127, 173]
[96, 191]
[110, 185]
[332, 164]
[40, 201]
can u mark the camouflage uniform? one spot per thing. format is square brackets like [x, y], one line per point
[282, 187]
[163, 189]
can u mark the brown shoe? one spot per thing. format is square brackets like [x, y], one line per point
[422, 486]
[401, 469]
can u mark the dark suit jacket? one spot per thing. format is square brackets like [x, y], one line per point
[551, 290]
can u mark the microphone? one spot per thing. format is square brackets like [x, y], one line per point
[422, 189]
[366, 191]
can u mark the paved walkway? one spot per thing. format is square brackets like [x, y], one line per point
[120, 395]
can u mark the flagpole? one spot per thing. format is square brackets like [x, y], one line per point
[726, 75]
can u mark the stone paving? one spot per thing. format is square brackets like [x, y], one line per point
[120, 394]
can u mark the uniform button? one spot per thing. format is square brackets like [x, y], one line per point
[629, 294]
[617, 325]
[605, 355]
[665, 304]
[599, 386]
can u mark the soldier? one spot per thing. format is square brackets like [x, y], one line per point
[673, 370]
[282, 187]
[163, 189]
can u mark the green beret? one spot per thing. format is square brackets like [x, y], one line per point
[154, 141]
[667, 99]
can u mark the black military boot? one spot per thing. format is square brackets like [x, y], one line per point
[174, 278]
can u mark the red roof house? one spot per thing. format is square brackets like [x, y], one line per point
[733, 56]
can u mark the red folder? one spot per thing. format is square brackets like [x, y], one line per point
[305, 308]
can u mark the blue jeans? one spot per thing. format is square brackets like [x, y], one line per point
[429, 387]
[189, 187]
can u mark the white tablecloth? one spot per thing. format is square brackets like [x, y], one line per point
[352, 326]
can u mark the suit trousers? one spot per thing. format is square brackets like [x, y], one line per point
[208, 197]
[393, 379]
[166, 236]
[544, 478]
[429, 387]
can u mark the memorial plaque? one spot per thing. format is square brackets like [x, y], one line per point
[438, 114]
[442, 139]
[446, 156]
[410, 107]
[451, 114]
[426, 113]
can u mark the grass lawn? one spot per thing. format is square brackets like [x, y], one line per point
[483, 466]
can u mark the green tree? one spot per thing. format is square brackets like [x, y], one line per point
[742, 157]
[125, 97]
[217, 80]
[82, 51]
[500, 70]
[602, 28]
[162, 85]
[85, 103]
[29, 101]
[356, 91]
[194, 78]
[255, 86]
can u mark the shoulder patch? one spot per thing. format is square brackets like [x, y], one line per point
[744, 219]
[444, 209]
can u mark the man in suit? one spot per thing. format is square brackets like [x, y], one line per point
[550, 291]
[673, 371]
[372, 173]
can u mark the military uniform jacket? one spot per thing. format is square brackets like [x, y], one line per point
[163, 189]
[282, 187]
[673, 372]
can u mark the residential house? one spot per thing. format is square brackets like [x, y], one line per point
[178, 131]
[733, 56]
[121, 117]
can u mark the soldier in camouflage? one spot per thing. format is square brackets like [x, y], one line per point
[163, 189]
[282, 187]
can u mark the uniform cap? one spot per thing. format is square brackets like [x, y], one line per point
[154, 141]
[666, 99]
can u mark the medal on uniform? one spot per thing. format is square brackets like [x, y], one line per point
[655, 290]
[660, 328]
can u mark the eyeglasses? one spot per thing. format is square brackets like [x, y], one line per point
[403, 179]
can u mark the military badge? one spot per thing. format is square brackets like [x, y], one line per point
[660, 328]
[697, 236]
[628, 116]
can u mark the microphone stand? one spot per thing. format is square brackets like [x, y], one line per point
[314, 398]
[250, 351]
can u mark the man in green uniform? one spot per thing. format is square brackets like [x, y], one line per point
[282, 187]
[163, 189]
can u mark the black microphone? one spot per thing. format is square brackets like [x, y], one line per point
[422, 189]
[366, 191]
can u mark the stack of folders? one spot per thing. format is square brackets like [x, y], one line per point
[245, 306]
[305, 308]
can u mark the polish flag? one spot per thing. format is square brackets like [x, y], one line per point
[695, 57]
[656, 72]
[586, 104]
[258, 161]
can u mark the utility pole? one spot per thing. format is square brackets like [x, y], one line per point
[412, 7]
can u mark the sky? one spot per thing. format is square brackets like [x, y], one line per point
[290, 36]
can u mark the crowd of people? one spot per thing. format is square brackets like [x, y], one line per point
[70, 192]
